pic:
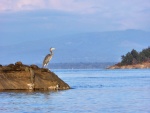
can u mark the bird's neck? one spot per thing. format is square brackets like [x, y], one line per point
[51, 52]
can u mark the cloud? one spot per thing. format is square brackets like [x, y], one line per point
[90, 14]
[20, 5]
[105, 7]
[72, 6]
[59, 5]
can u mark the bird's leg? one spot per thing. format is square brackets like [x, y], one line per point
[47, 65]
[43, 66]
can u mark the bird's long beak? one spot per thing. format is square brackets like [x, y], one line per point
[52, 49]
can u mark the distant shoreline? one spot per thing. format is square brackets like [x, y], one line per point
[143, 65]
[80, 65]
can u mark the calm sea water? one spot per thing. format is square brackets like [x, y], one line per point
[93, 91]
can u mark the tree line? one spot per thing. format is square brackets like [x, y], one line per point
[135, 57]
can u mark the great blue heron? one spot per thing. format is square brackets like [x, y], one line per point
[48, 57]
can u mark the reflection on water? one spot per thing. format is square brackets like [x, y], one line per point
[93, 91]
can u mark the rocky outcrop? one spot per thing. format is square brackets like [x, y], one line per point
[134, 66]
[23, 77]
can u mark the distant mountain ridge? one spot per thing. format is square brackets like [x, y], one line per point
[83, 47]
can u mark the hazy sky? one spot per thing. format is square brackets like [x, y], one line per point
[30, 20]
[72, 16]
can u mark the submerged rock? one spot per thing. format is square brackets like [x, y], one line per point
[23, 77]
